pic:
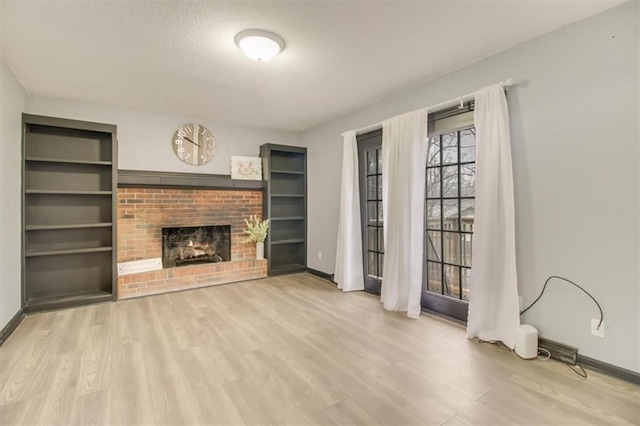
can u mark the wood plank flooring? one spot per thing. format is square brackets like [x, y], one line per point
[286, 350]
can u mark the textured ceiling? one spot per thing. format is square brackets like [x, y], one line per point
[179, 57]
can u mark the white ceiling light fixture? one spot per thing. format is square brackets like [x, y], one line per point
[260, 45]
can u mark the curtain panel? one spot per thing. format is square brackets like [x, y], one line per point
[404, 157]
[349, 273]
[493, 304]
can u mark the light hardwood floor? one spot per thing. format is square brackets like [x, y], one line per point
[288, 350]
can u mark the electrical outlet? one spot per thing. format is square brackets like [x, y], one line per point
[598, 332]
[319, 255]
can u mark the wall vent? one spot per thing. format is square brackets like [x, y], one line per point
[559, 351]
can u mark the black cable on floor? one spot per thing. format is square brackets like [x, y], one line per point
[583, 374]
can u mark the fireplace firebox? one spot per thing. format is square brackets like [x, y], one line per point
[195, 245]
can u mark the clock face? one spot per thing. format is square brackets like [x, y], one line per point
[194, 144]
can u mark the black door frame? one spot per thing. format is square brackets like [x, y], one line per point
[444, 305]
[366, 142]
[457, 309]
[453, 308]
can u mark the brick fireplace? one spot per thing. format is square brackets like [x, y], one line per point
[144, 212]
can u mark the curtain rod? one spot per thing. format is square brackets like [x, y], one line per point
[460, 99]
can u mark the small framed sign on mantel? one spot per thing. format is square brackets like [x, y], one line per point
[246, 168]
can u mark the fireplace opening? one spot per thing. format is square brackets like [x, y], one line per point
[195, 244]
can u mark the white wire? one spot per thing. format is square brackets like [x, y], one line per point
[548, 354]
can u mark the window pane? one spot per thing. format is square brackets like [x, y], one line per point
[468, 145]
[450, 148]
[468, 180]
[434, 277]
[371, 213]
[381, 239]
[450, 213]
[371, 240]
[379, 187]
[452, 281]
[380, 213]
[433, 182]
[371, 188]
[371, 162]
[467, 209]
[466, 283]
[372, 270]
[451, 247]
[449, 216]
[467, 243]
[381, 265]
[379, 154]
[434, 246]
[433, 151]
[450, 181]
[433, 214]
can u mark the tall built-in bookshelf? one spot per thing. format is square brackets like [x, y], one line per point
[69, 200]
[285, 205]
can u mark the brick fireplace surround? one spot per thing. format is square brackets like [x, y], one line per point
[143, 212]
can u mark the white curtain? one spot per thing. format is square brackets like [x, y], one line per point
[493, 304]
[404, 157]
[349, 274]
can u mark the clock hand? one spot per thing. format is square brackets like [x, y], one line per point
[191, 141]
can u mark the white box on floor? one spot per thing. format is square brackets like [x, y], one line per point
[527, 342]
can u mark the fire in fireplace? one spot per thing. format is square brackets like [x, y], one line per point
[195, 244]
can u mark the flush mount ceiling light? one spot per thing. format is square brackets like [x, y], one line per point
[260, 45]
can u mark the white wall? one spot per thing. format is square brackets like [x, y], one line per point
[574, 123]
[638, 123]
[144, 138]
[13, 102]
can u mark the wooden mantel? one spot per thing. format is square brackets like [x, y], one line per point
[139, 178]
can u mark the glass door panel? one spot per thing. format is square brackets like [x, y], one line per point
[370, 171]
[449, 214]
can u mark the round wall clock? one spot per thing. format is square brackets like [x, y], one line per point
[194, 144]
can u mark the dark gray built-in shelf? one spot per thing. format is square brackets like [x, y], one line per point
[287, 172]
[76, 299]
[32, 253]
[55, 191]
[285, 204]
[69, 233]
[63, 160]
[289, 241]
[75, 226]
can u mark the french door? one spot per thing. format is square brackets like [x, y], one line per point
[449, 216]
[370, 172]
